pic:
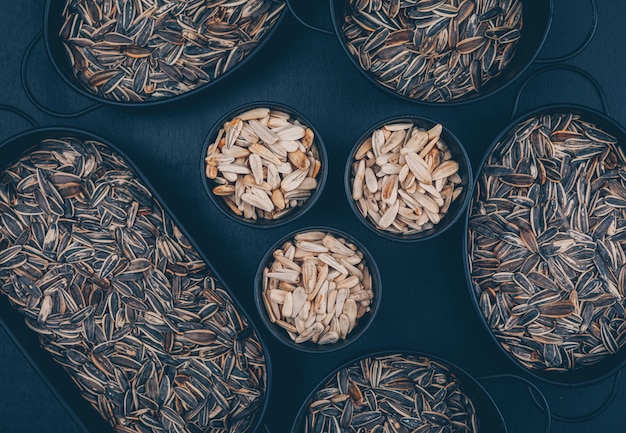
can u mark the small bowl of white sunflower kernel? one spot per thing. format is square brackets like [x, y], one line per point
[317, 289]
[264, 164]
[407, 178]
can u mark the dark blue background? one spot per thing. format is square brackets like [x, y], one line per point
[425, 306]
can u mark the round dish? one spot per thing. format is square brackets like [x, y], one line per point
[458, 154]
[320, 292]
[231, 207]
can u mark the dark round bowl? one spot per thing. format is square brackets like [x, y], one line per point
[52, 373]
[490, 418]
[53, 20]
[456, 208]
[296, 212]
[585, 375]
[363, 323]
[537, 19]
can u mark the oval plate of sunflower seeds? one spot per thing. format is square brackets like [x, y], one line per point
[144, 52]
[401, 392]
[544, 249]
[442, 52]
[119, 295]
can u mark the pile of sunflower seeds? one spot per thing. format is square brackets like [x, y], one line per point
[404, 179]
[264, 164]
[317, 288]
[433, 50]
[139, 50]
[391, 393]
[546, 242]
[121, 299]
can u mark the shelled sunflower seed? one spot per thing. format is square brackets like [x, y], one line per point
[404, 179]
[139, 50]
[391, 393]
[433, 50]
[317, 288]
[264, 164]
[120, 298]
[547, 232]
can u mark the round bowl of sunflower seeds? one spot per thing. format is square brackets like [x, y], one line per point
[407, 178]
[441, 51]
[399, 391]
[544, 249]
[317, 289]
[264, 164]
[144, 52]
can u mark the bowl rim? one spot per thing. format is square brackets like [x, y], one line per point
[153, 102]
[437, 229]
[477, 96]
[536, 374]
[296, 212]
[453, 368]
[307, 346]
[57, 131]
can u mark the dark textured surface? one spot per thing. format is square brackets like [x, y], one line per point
[426, 304]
